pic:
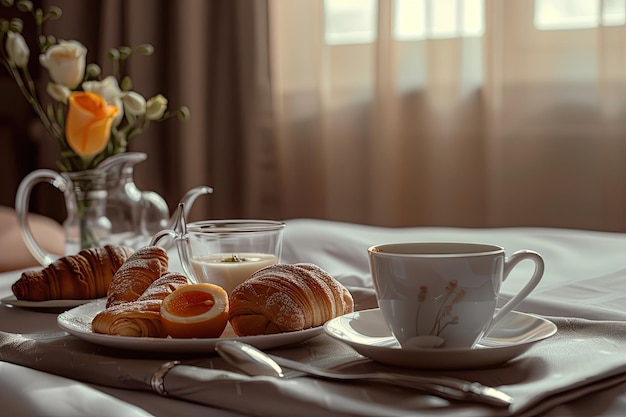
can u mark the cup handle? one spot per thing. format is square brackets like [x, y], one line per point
[509, 264]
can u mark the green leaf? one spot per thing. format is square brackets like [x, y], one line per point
[4, 25]
[6, 3]
[135, 132]
[50, 112]
[61, 116]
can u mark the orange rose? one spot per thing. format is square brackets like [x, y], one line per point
[88, 124]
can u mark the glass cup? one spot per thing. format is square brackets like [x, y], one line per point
[444, 295]
[226, 252]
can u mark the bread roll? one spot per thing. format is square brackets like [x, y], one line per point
[284, 298]
[85, 275]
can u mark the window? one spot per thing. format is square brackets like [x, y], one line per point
[578, 14]
[354, 21]
[428, 19]
[350, 21]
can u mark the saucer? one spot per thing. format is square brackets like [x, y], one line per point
[367, 333]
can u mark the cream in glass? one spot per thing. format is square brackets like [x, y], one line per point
[229, 270]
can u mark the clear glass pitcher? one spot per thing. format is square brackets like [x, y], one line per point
[86, 224]
[104, 206]
[137, 215]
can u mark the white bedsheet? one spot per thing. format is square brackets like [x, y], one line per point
[585, 277]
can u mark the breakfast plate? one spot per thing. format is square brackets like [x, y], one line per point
[53, 304]
[367, 333]
[77, 322]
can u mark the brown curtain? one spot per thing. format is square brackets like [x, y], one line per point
[210, 56]
[516, 127]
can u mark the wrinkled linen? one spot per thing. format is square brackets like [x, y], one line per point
[539, 379]
[577, 372]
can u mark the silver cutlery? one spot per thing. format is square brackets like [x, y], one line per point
[254, 362]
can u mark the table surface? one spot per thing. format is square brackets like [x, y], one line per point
[585, 277]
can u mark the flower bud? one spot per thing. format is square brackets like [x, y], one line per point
[145, 49]
[155, 108]
[17, 49]
[58, 92]
[134, 103]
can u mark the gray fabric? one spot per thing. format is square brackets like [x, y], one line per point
[539, 379]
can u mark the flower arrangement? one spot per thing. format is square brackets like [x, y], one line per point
[91, 117]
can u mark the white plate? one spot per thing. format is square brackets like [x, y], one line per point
[367, 332]
[55, 304]
[78, 322]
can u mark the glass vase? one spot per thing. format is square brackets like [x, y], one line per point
[86, 224]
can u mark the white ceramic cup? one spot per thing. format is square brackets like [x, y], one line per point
[444, 295]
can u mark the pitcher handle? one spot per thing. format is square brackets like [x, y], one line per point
[509, 264]
[22, 200]
[182, 244]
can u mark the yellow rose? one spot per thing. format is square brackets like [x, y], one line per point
[88, 124]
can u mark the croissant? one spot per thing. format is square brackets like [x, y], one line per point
[136, 319]
[140, 270]
[85, 275]
[164, 286]
[141, 317]
[283, 298]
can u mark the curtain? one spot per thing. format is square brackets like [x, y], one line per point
[517, 127]
[210, 56]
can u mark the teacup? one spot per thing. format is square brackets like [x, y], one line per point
[225, 252]
[444, 295]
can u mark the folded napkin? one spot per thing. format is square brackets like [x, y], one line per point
[583, 357]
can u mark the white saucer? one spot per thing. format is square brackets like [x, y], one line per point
[77, 322]
[52, 304]
[367, 332]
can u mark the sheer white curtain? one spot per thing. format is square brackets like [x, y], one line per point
[516, 126]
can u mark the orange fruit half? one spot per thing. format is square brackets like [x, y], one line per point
[195, 310]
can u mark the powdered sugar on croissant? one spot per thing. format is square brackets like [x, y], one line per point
[140, 270]
[285, 297]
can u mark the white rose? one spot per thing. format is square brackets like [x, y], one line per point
[65, 63]
[156, 107]
[58, 92]
[110, 90]
[134, 103]
[17, 49]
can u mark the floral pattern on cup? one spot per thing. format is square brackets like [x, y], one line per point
[444, 317]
